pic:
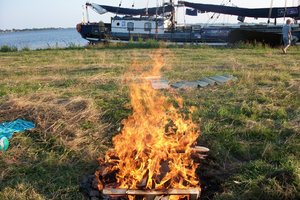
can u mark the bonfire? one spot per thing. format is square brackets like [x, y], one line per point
[152, 155]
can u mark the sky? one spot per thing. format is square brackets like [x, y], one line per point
[20, 14]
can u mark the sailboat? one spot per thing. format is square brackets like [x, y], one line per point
[159, 23]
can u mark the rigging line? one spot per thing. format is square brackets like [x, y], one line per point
[219, 14]
[216, 18]
[215, 13]
[212, 17]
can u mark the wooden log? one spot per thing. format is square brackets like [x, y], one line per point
[163, 171]
[194, 193]
[196, 149]
[198, 158]
[200, 149]
[161, 197]
[143, 183]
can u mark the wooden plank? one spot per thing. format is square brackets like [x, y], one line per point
[162, 197]
[112, 192]
[200, 149]
[195, 149]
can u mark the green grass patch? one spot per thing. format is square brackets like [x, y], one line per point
[6, 48]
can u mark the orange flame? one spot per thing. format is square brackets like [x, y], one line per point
[153, 150]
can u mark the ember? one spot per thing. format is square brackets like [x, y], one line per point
[155, 153]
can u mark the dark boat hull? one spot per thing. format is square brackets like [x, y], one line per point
[261, 34]
[252, 36]
[270, 35]
[93, 33]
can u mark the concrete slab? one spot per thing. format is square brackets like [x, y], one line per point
[202, 83]
[219, 79]
[185, 85]
[208, 80]
[159, 84]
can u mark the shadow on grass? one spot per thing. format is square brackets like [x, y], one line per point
[36, 167]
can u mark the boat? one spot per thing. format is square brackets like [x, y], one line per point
[158, 23]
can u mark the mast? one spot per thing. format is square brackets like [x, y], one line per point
[298, 18]
[87, 13]
[83, 15]
[285, 10]
[172, 15]
[270, 11]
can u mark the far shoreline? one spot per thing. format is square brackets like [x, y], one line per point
[32, 29]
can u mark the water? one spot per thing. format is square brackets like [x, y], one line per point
[41, 39]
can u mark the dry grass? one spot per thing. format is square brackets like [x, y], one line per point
[74, 122]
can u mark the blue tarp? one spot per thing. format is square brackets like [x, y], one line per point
[276, 12]
[139, 11]
[7, 129]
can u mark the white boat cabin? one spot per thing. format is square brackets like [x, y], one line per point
[137, 25]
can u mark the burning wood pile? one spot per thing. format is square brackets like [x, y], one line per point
[107, 181]
[155, 155]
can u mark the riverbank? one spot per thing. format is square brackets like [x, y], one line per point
[77, 98]
[41, 39]
[31, 29]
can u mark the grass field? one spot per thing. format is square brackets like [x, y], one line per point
[78, 98]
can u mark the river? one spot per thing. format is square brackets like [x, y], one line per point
[41, 39]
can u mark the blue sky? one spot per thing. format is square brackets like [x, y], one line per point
[67, 13]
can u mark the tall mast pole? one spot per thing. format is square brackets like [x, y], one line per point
[83, 17]
[87, 13]
[270, 11]
[172, 15]
[285, 5]
[299, 8]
